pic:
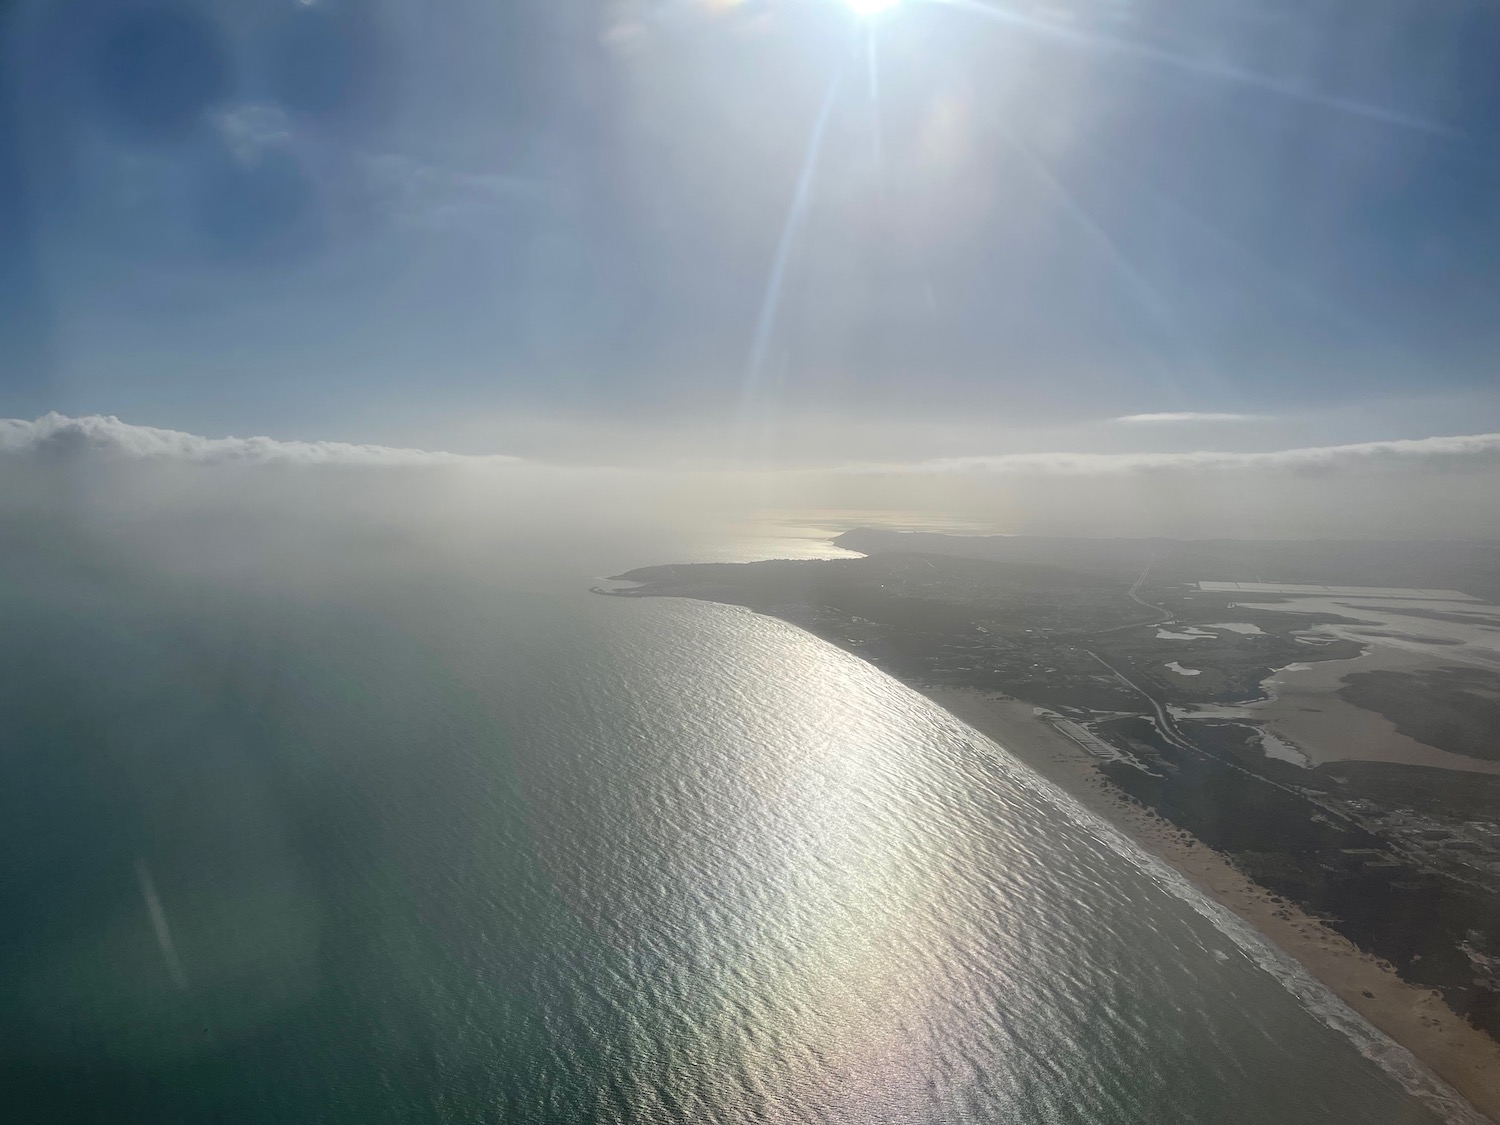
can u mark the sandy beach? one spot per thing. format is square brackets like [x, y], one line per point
[1416, 1018]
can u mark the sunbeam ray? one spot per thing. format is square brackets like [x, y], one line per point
[873, 73]
[1213, 71]
[796, 215]
[159, 924]
[1136, 283]
[1271, 277]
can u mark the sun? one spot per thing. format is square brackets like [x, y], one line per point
[871, 7]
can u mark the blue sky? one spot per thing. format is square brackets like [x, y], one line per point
[551, 228]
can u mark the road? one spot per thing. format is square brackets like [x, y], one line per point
[1166, 614]
[1167, 725]
[1164, 721]
[1163, 616]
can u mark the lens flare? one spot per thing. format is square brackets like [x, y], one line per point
[871, 7]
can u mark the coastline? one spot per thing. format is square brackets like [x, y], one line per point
[1415, 1018]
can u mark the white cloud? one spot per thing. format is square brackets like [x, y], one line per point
[250, 128]
[58, 436]
[424, 195]
[1186, 416]
[1459, 452]
[408, 191]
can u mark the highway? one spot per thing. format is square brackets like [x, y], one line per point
[1136, 597]
[1164, 721]
[1163, 616]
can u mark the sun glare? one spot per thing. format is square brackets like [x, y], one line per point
[871, 7]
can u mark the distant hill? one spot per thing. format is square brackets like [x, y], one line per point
[1473, 567]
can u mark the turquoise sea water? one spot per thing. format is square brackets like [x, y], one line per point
[449, 848]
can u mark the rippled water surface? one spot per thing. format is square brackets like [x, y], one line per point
[430, 856]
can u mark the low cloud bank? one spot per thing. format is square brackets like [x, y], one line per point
[56, 436]
[1418, 454]
[1187, 416]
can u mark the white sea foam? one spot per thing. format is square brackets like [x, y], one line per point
[1315, 997]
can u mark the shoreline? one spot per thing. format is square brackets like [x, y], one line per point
[1416, 1019]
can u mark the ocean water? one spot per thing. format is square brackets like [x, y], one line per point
[461, 850]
